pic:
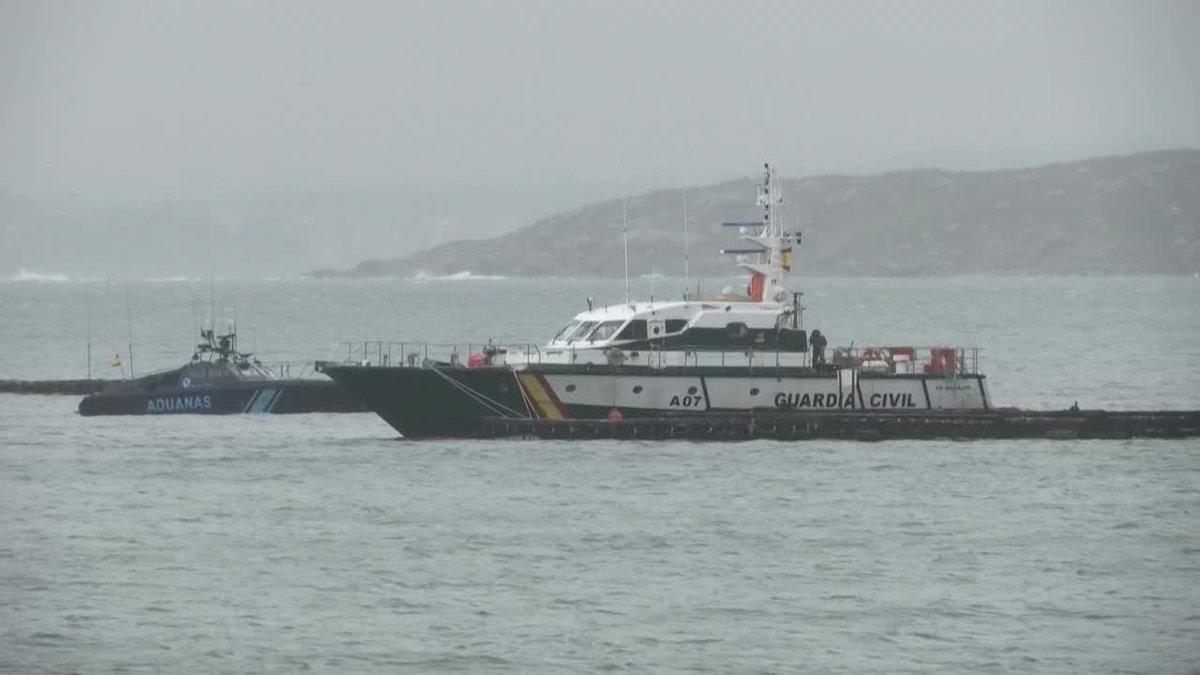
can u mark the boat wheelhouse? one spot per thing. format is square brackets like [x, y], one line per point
[648, 332]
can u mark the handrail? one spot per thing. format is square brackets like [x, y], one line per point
[942, 359]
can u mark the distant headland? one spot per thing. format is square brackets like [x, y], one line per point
[1130, 214]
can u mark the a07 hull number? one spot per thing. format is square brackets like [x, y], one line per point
[687, 401]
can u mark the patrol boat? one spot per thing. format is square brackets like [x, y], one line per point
[695, 357]
[219, 380]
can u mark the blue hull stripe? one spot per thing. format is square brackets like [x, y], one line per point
[251, 400]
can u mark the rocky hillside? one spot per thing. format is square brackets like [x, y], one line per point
[1129, 214]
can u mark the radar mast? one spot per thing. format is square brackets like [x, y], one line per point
[768, 273]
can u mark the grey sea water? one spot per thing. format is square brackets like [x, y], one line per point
[322, 542]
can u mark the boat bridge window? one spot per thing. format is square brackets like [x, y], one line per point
[676, 325]
[566, 330]
[605, 330]
[634, 330]
[581, 332]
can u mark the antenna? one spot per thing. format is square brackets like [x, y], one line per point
[129, 328]
[685, 245]
[87, 298]
[625, 230]
[212, 301]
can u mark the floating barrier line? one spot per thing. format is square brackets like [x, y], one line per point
[866, 425]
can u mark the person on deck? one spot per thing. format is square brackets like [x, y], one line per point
[818, 348]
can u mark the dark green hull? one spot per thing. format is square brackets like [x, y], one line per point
[424, 403]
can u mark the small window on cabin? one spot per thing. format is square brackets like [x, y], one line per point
[737, 329]
[634, 330]
[605, 330]
[582, 331]
[676, 325]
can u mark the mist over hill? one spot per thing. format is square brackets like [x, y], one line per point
[1122, 214]
[259, 232]
[1110, 215]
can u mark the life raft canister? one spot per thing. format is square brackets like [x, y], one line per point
[944, 360]
[755, 290]
[872, 354]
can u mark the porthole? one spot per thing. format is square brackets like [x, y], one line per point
[754, 391]
[637, 389]
[692, 390]
[656, 330]
[570, 388]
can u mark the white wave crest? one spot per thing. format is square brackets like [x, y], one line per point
[42, 277]
[465, 275]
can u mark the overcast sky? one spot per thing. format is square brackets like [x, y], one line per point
[146, 100]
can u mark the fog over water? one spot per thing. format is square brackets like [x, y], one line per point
[317, 135]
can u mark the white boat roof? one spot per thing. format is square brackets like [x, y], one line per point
[677, 308]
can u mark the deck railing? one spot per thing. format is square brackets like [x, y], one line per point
[415, 354]
[944, 360]
[290, 369]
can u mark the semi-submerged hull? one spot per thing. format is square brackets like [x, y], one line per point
[456, 402]
[275, 396]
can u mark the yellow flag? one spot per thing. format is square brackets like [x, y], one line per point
[116, 361]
